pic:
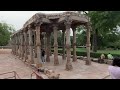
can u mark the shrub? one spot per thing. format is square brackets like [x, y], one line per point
[92, 54]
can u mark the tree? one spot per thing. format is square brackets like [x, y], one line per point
[5, 32]
[103, 22]
[81, 36]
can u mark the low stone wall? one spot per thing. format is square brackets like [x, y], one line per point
[5, 47]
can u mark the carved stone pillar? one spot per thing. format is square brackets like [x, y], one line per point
[68, 46]
[88, 45]
[25, 45]
[38, 43]
[30, 44]
[56, 62]
[44, 39]
[35, 47]
[16, 44]
[22, 45]
[48, 47]
[74, 45]
[45, 42]
[63, 39]
[13, 44]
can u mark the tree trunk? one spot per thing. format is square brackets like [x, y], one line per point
[95, 41]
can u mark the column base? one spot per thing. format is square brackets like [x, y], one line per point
[88, 62]
[69, 66]
[56, 62]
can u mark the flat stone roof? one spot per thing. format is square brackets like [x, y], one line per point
[48, 18]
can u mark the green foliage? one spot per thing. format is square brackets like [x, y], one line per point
[5, 32]
[105, 23]
[92, 54]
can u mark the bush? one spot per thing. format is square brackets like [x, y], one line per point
[92, 54]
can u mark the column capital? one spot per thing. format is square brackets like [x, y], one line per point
[68, 22]
[74, 28]
[55, 26]
[88, 25]
[29, 27]
[25, 30]
[38, 22]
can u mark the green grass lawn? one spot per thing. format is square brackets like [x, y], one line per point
[99, 51]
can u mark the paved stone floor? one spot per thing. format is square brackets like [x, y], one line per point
[9, 62]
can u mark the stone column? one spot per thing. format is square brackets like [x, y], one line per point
[13, 38]
[22, 45]
[63, 39]
[45, 41]
[12, 44]
[35, 48]
[48, 47]
[16, 44]
[42, 41]
[25, 45]
[30, 44]
[68, 46]
[56, 62]
[44, 38]
[38, 44]
[88, 61]
[74, 45]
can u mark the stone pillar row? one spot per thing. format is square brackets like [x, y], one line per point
[23, 41]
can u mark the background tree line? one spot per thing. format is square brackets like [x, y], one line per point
[105, 33]
[5, 31]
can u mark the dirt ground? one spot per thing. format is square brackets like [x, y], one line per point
[9, 62]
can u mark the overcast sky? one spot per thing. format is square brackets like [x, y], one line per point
[18, 18]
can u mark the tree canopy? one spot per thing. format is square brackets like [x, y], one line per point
[104, 27]
[5, 32]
